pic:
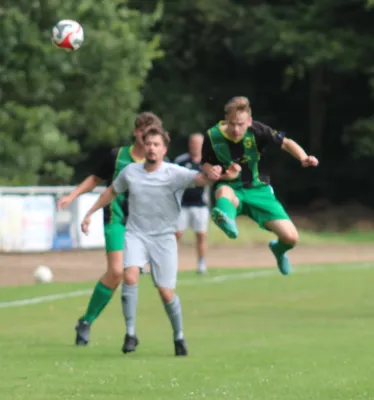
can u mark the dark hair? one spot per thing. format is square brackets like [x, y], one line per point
[156, 130]
[145, 119]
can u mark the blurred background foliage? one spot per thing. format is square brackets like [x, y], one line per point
[307, 67]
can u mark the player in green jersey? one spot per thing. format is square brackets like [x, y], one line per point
[233, 156]
[114, 221]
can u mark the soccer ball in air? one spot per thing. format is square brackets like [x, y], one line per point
[68, 34]
[43, 274]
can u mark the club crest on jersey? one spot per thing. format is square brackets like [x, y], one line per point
[247, 143]
[245, 159]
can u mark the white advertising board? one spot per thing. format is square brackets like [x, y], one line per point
[95, 237]
[38, 223]
[11, 215]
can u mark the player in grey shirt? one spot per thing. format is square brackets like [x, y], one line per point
[155, 193]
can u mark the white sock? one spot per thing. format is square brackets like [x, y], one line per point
[201, 264]
[174, 312]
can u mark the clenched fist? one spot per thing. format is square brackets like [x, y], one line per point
[215, 172]
[309, 161]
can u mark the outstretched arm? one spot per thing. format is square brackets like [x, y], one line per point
[105, 199]
[201, 179]
[119, 185]
[101, 173]
[298, 152]
[86, 186]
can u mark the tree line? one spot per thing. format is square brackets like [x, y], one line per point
[305, 65]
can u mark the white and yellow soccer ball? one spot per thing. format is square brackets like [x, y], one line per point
[43, 274]
[68, 34]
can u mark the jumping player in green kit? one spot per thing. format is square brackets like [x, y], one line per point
[233, 156]
[114, 222]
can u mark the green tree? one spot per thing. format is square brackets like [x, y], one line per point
[361, 134]
[317, 40]
[57, 105]
[186, 87]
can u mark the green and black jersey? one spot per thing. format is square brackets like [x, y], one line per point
[248, 152]
[109, 169]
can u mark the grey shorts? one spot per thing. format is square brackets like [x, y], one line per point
[161, 252]
[196, 218]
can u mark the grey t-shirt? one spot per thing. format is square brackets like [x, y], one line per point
[154, 197]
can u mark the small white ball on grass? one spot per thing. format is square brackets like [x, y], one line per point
[43, 274]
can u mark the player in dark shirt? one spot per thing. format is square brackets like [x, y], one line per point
[194, 213]
[114, 221]
[234, 156]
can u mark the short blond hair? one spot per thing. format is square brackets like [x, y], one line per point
[238, 103]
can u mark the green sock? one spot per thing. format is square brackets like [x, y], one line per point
[99, 299]
[281, 248]
[225, 205]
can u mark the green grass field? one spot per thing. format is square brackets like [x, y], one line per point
[249, 232]
[253, 335]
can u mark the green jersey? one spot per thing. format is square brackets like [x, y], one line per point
[118, 159]
[248, 152]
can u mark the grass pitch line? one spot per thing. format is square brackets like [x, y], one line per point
[274, 272]
[203, 280]
[43, 299]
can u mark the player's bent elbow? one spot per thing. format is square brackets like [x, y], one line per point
[96, 180]
[113, 192]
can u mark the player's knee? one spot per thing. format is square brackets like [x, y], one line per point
[200, 237]
[115, 266]
[166, 294]
[224, 191]
[131, 276]
[116, 275]
[290, 237]
[227, 191]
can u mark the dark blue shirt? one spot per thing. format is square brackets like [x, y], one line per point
[192, 197]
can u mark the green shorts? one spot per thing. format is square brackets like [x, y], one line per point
[260, 204]
[114, 237]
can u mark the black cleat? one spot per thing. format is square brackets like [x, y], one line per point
[130, 344]
[180, 347]
[83, 333]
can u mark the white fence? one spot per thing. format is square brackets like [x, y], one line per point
[29, 220]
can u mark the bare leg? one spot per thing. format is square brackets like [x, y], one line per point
[101, 296]
[201, 244]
